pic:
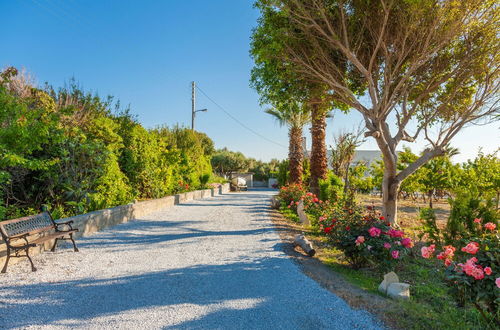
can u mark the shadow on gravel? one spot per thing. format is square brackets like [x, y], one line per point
[274, 299]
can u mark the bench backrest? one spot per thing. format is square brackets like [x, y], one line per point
[31, 224]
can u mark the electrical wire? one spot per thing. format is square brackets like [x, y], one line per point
[237, 120]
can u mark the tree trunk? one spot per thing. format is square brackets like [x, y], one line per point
[390, 187]
[295, 154]
[318, 150]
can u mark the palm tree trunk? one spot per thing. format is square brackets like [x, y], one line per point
[295, 154]
[318, 150]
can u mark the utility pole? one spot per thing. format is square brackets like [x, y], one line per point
[193, 104]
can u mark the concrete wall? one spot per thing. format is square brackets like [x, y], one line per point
[89, 223]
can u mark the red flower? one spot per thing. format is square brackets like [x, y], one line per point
[347, 228]
[382, 218]
[327, 230]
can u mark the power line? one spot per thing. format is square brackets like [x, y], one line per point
[237, 120]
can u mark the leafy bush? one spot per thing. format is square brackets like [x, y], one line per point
[78, 152]
[473, 268]
[331, 188]
[290, 195]
[365, 238]
[464, 209]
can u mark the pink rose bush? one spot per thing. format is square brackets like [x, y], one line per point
[473, 270]
[365, 237]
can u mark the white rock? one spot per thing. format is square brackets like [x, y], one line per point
[399, 290]
[302, 214]
[388, 279]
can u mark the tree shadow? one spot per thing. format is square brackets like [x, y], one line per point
[253, 294]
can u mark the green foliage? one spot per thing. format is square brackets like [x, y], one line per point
[290, 195]
[466, 207]
[69, 149]
[430, 228]
[331, 188]
[283, 173]
[365, 238]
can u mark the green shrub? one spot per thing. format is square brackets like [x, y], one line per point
[365, 238]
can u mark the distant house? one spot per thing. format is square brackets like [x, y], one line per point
[366, 157]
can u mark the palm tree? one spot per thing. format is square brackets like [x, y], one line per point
[295, 117]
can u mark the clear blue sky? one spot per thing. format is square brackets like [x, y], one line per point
[146, 53]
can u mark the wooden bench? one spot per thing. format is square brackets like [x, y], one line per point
[18, 234]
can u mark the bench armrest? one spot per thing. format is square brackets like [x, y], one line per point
[20, 236]
[63, 222]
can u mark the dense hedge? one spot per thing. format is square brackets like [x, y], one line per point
[78, 152]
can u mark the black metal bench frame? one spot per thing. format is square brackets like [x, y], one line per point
[16, 234]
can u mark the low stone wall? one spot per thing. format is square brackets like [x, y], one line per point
[89, 223]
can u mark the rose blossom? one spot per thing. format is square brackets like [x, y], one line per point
[471, 248]
[360, 240]
[490, 226]
[395, 233]
[447, 262]
[387, 245]
[407, 242]
[327, 229]
[487, 270]
[477, 220]
[497, 282]
[470, 268]
[428, 251]
[374, 232]
[395, 254]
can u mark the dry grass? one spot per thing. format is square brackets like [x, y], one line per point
[408, 210]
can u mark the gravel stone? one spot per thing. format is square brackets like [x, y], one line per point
[215, 263]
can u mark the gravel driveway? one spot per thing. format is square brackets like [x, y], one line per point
[210, 264]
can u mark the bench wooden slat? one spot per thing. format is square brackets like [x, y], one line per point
[52, 236]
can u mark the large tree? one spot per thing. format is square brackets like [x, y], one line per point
[280, 86]
[428, 66]
[294, 117]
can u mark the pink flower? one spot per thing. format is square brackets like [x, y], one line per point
[448, 253]
[487, 270]
[315, 200]
[471, 248]
[387, 245]
[360, 240]
[321, 219]
[289, 206]
[395, 254]
[477, 220]
[470, 268]
[296, 203]
[490, 226]
[407, 242]
[374, 232]
[395, 233]
[447, 262]
[497, 282]
[428, 251]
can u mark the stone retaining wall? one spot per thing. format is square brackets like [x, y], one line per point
[89, 223]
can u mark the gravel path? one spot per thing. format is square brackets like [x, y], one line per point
[213, 264]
